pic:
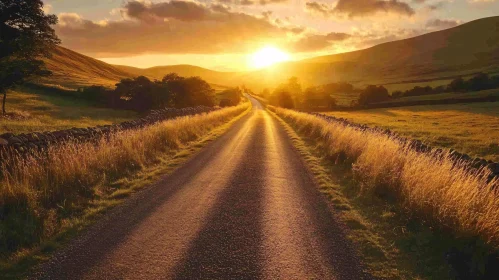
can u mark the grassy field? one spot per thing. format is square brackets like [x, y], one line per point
[343, 99]
[45, 197]
[32, 109]
[404, 210]
[411, 85]
[447, 95]
[470, 128]
[346, 99]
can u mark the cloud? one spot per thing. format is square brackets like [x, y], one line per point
[361, 8]
[319, 8]
[435, 5]
[315, 42]
[253, 2]
[442, 23]
[180, 10]
[70, 20]
[171, 27]
[358, 8]
[47, 8]
[481, 1]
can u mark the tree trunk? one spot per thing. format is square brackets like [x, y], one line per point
[3, 102]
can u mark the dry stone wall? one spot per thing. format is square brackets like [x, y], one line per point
[26, 142]
[418, 145]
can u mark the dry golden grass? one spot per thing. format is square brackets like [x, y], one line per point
[468, 128]
[430, 186]
[38, 192]
[74, 70]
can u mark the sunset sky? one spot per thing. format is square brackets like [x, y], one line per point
[223, 35]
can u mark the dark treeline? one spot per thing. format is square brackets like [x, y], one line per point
[480, 81]
[141, 94]
[291, 95]
[372, 94]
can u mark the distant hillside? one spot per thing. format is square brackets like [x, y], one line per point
[461, 50]
[158, 72]
[71, 69]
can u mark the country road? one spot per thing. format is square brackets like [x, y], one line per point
[245, 207]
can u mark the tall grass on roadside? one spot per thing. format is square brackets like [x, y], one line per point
[429, 186]
[36, 191]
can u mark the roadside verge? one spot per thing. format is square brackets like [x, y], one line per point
[50, 198]
[399, 236]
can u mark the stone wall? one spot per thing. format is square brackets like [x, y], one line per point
[26, 142]
[418, 145]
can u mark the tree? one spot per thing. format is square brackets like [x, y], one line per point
[372, 94]
[265, 93]
[26, 36]
[192, 91]
[138, 93]
[293, 87]
[282, 98]
[494, 80]
[480, 81]
[288, 93]
[318, 97]
[397, 94]
[457, 85]
[231, 96]
[340, 87]
[141, 94]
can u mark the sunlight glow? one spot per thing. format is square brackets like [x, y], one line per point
[268, 56]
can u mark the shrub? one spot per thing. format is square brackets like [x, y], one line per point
[282, 99]
[288, 94]
[231, 96]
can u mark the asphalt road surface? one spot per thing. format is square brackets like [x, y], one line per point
[245, 207]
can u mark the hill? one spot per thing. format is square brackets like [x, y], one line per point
[213, 77]
[462, 50]
[71, 69]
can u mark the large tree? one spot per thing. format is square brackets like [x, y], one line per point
[26, 36]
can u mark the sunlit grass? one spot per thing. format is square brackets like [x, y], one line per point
[32, 110]
[392, 244]
[430, 186]
[468, 128]
[42, 193]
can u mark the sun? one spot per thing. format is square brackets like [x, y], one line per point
[268, 56]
